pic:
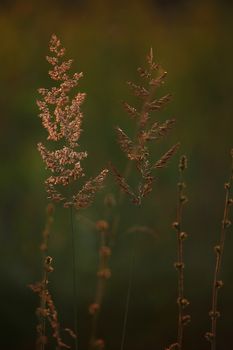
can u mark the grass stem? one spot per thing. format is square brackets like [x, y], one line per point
[130, 282]
[74, 278]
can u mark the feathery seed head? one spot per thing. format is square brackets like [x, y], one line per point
[62, 117]
[137, 149]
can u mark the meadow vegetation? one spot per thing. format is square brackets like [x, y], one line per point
[61, 116]
[126, 283]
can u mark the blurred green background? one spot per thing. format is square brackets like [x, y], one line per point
[108, 40]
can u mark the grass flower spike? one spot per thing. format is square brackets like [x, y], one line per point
[137, 149]
[62, 117]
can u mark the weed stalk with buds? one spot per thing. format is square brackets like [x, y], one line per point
[219, 249]
[182, 302]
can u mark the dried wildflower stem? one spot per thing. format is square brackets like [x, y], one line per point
[47, 310]
[182, 302]
[130, 282]
[219, 248]
[74, 278]
[43, 307]
[103, 274]
[180, 267]
[120, 200]
[44, 250]
[104, 255]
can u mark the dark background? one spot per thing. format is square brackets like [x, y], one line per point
[108, 41]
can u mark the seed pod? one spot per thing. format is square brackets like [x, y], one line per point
[214, 314]
[219, 284]
[186, 319]
[217, 249]
[102, 225]
[183, 235]
[209, 336]
[179, 265]
[176, 225]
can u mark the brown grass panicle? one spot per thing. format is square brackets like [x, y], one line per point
[219, 248]
[47, 310]
[137, 150]
[62, 118]
[182, 302]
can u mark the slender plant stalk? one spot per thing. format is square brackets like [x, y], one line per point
[103, 274]
[43, 306]
[47, 313]
[107, 240]
[219, 248]
[130, 282]
[182, 302]
[102, 225]
[44, 250]
[74, 273]
[121, 197]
